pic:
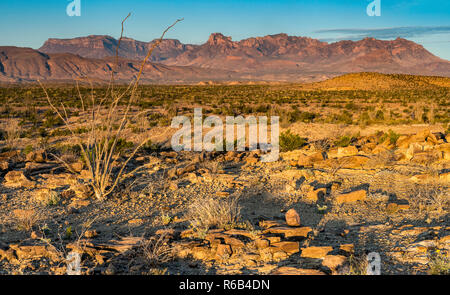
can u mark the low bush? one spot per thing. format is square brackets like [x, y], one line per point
[290, 141]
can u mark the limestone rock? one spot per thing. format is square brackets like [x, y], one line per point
[4, 165]
[223, 251]
[36, 156]
[18, 179]
[292, 218]
[288, 247]
[262, 244]
[333, 261]
[316, 252]
[35, 252]
[316, 195]
[352, 197]
[289, 232]
[445, 176]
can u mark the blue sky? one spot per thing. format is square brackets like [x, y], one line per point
[29, 23]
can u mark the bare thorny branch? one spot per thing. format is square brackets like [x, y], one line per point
[100, 150]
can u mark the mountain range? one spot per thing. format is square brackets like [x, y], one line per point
[271, 58]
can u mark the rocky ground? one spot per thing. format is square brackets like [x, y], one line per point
[318, 210]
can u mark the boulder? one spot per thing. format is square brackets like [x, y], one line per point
[349, 162]
[289, 232]
[77, 166]
[346, 151]
[292, 218]
[36, 156]
[424, 136]
[347, 248]
[35, 252]
[316, 252]
[287, 247]
[426, 157]
[223, 251]
[333, 262]
[352, 197]
[262, 243]
[18, 179]
[292, 155]
[380, 149]
[310, 160]
[445, 150]
[201, 253]
[304, 161]
[317, 194]
[445, 176]
[4, 165]
[354, 162]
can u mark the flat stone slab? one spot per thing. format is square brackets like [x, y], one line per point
[290, 232]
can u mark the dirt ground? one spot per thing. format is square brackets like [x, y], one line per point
[311, 212]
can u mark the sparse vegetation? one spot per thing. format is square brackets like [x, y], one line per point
[25, 219]
[209, 212]
[290, 141]
[439, 263]
[156, 250]
[431, 196]
[391, 135]
[357, 265]
[106, 123]
[12, 131]
[340, 143]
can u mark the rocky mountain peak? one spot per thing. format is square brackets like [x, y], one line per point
[218, 39]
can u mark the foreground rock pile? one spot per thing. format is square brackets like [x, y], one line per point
[315, 211]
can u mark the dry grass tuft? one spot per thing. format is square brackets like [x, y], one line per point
[156, 250]
[440, 264]
[431, 196]
[358, 265]
[208, 212]
[383, 159]
[25, 219]
[12, 132]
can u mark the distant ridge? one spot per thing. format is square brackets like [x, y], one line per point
[377, 81]
[270, 58]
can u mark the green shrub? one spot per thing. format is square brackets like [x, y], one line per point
[122, 145]
[52, 120]
[345, 117]
[149, 146]
[67, 132]
[439, 263]
[28, 149]
[346, 140]
[53, 199]
[393, 137]
[351, 106]
[379, 116]
[290, 141]
[307, 117]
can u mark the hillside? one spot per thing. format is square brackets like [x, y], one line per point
[29, 65]
[377, 81]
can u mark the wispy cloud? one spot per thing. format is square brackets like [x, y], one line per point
[384, 33]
